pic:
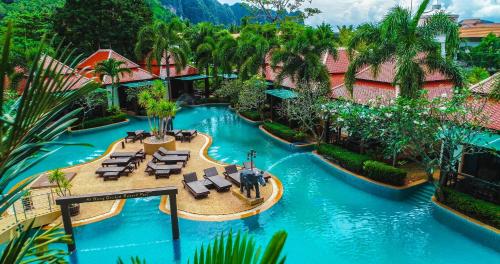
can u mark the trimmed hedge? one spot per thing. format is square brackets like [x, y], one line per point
[486, 212]
[252, 115]
[345, 158]
[102, 121]
[382, 172]
[284, 132]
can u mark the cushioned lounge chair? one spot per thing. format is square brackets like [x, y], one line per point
[232, 174]
[120, 170]
[220, 183]
[152, 167]
[165, 152]
[169, 159]
[132, 136]
[187, 135]
[195, 187]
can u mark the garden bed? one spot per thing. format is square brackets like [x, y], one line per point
[284, 132]
[364, 165]
[486, 212]
[101, 121]
[252, 115]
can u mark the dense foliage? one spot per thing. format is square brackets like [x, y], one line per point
[345, 158]
[251, 114]
[94, 24]
[102, 121]
[485, 55]
[284, 132]
[382, 172]
[484, 211]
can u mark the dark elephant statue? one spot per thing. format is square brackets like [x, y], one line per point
[251, 179]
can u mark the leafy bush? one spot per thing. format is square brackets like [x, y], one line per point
[102, 121]
[486, 212]
[345, 158]
[252, 115]
[284, 132]
[382, 172]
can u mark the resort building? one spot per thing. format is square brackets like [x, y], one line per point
[472, 31]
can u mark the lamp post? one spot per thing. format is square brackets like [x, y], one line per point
[252, 154]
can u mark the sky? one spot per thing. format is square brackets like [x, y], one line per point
[354, 12]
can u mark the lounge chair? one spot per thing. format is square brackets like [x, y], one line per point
[152, 167]
[187, 135]
[120, 162]
[175, 133]
[232, 174]
[133, 136]
[116, 155]
[120, 170]
[166, 152]
[195, 187]
[220, 183]
[170, 159]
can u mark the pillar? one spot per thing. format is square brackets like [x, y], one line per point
[173, 216]
[68, 227]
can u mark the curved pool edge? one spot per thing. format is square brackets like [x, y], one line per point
[470, 227]
[93, 129]
[369, 185]
[308, 146]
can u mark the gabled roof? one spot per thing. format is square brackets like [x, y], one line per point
[159, 69]
[479, 29]
[72, 77]
[138, 74]
[339, 65]
[486, 86]
[387, 71]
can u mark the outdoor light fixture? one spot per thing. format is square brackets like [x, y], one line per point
[252, 154]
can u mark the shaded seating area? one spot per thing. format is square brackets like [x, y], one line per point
[196, 187]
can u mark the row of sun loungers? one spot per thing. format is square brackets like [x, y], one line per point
[136, 135]
[167, 162]
[120, 164]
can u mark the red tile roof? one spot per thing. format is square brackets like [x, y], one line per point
[138, 74]
[486, 86]
[387, 71]
[161, 70]
[338, 65]
[72, 77]
[492, 110]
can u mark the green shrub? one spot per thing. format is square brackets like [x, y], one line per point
[252, 115]
[102, 121]
[486, 212]
[284, 132]
[382, 172]
[345, 158]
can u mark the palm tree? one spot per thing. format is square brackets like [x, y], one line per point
[301, 56]
[241, 249]
[204, 45]
[27, 128]
[160, 111]
[410, 43]
[254, 45]
[163, 41]
[115, 70]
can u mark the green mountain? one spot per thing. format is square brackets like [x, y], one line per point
[207, 11]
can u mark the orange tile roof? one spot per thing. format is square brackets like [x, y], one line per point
[160, 70]
[340, 64]
[138, 74]
[387, 72]
[74, 80]
[480, 30]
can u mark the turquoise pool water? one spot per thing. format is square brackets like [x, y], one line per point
[328, 220]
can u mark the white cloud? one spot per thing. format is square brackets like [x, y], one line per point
[346, 12]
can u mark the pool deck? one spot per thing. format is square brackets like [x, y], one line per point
[217, 207]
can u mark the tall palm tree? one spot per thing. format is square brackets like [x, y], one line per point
[254, 45]
[163, 41]
[204, 46]
[27, 128]
[301, 56]
[410, 43]
[114, 69]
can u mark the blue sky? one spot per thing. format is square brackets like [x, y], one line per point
[340, 12]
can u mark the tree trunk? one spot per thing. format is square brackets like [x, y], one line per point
[168, 96]
[207, 88]
[394, 158]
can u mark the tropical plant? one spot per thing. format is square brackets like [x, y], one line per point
[252, 96]
[241, 249]
[485, 55]
[476, 74]
[345, 34]
[95, 99]
[114, 69]
[300, 58]
[27, 129]
[306, 108]
[163, 42]
[63, 184]
[160, 111]
[133, 260]
[408, 42]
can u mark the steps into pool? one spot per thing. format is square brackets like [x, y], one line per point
[423, 194]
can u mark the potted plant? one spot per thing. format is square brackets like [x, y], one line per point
[63, 189]
[27, 201]
[159, 110]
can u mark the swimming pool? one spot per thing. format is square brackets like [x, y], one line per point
[328, 220]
